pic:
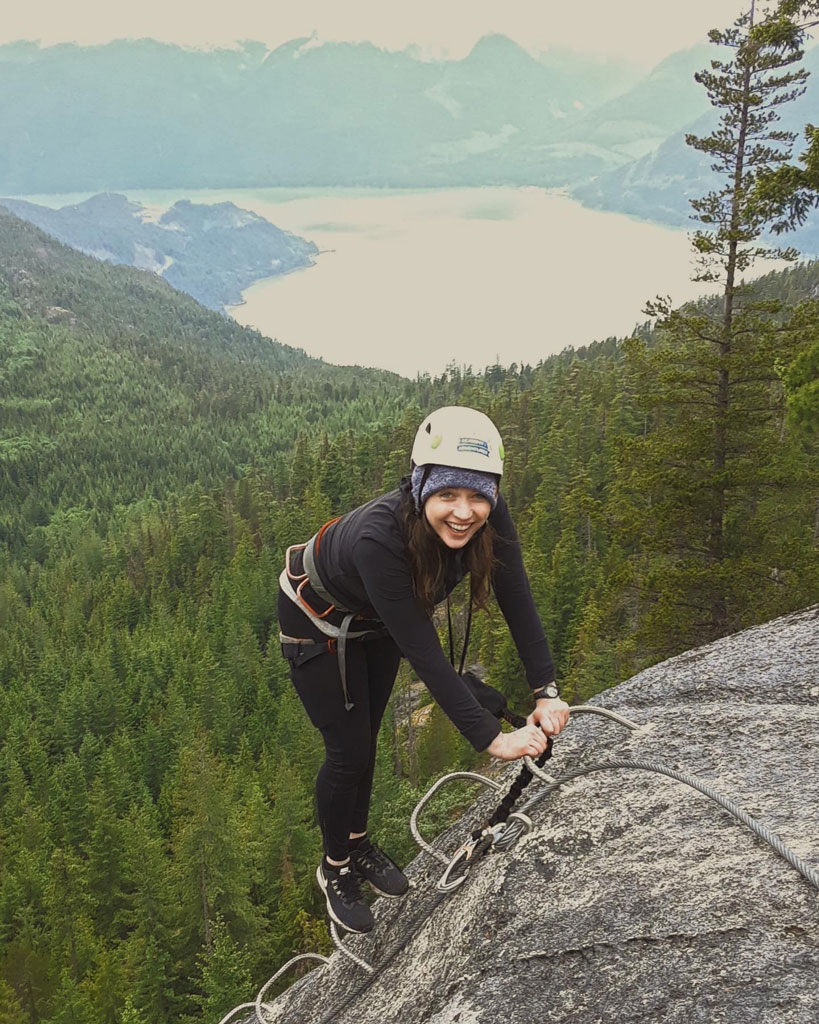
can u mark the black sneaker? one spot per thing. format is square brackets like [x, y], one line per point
[383, 874]
[345, 904]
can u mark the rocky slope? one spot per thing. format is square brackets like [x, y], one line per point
[635, 898]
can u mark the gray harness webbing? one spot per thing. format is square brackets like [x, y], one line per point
[313, 575]
[338, 635]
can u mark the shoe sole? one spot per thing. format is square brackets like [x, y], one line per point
[323, 886]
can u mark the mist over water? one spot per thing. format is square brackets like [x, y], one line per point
[412, 281]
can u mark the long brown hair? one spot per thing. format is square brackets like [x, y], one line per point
[426, 552]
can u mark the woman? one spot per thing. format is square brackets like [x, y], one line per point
[360, 594]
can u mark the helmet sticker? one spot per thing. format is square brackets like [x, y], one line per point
[473, 444]
[435, 441]
[502, 452]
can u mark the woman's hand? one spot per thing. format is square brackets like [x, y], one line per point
[551, 714]
[508, 746]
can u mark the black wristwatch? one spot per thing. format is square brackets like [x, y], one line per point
[550, 690]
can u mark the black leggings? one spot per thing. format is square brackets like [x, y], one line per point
[345, 780]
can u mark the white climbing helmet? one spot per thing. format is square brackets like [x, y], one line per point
[458, 436]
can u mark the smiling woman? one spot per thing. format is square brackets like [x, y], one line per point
[360, 594]
[457, 514]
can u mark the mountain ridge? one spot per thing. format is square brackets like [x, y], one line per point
[110, 367]
[212, 252]
[302, 113]
[657, 185]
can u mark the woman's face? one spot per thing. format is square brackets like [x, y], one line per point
[456, 514]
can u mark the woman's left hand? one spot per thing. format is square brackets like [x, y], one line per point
[551, 714]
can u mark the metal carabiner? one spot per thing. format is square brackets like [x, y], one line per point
[467, 855]
[460, 859]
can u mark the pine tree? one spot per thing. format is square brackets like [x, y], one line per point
[130, 1013]
[225, 975]
[203, 847]
[437, 745]
[11, 1010]
[787, 194]
[801, 377]
[152, 915]
[701, 479]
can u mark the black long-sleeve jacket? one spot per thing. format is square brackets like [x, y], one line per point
[363, 562]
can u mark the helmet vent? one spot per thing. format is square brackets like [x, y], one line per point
[429, 428]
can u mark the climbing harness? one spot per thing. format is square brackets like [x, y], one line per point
[292, 583]
[300, 649]
[500, 832]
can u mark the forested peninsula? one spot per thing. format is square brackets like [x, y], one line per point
[155, 461]
[211, 251]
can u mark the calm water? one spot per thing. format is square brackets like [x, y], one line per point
[411, 281]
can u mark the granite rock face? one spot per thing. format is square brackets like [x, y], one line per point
[635, 898]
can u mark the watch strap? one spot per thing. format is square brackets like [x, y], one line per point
[542, 691]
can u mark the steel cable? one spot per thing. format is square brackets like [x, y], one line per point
[764, 833]
[427, 905]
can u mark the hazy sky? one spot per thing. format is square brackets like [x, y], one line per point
[643, 29]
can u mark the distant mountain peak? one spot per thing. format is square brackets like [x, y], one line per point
[224, 216]
[497, 47]
[289, 49]
[106, 201]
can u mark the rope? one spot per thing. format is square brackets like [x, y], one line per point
[467, 631]
[350, 955]
[258, 1005]
[638, 763]
[421, 915]
[525, 776]
[416, 835]
[535, 768]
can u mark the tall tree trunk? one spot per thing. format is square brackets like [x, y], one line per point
[719, 604]
[205, 905]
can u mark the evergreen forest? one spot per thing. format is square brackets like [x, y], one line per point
[157, 830]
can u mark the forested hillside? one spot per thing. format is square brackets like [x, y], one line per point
[156, 824]
[114, 388]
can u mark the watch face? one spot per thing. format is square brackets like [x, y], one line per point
[551, 690]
